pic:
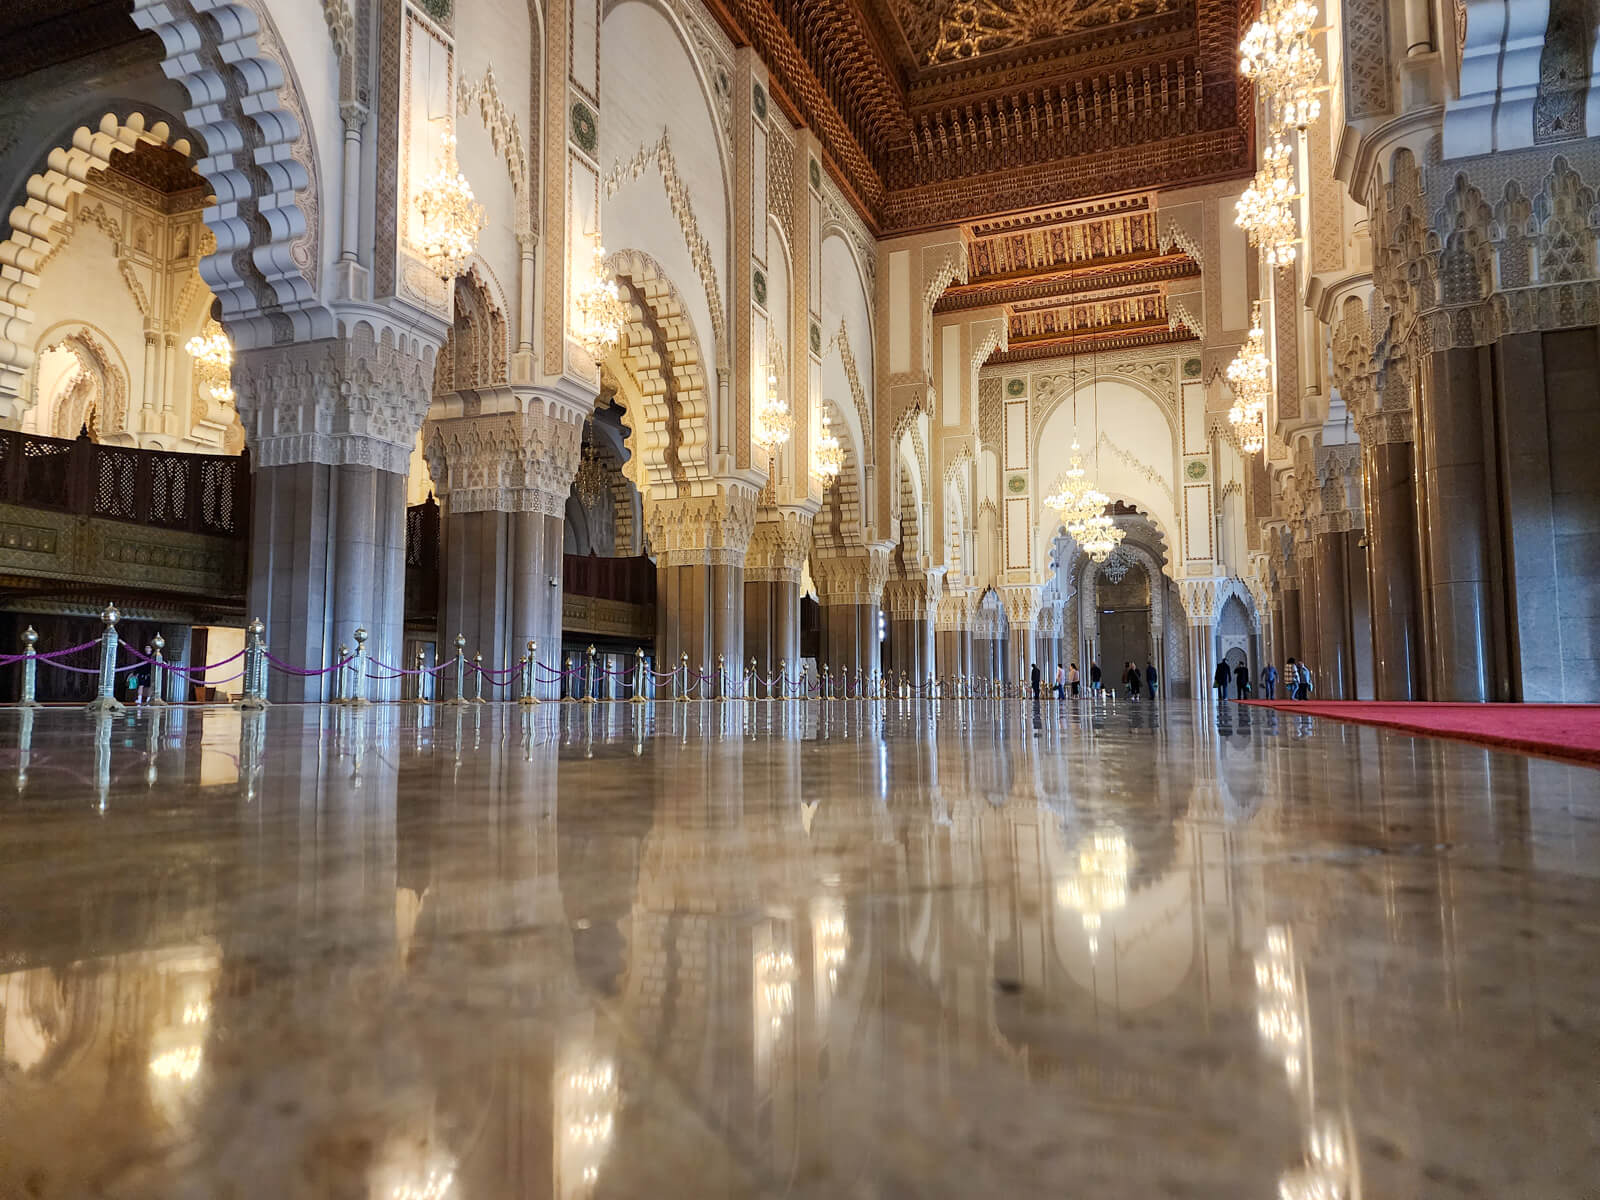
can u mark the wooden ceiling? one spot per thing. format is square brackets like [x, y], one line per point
[35, 34]
[938, 112]
[1076, 278]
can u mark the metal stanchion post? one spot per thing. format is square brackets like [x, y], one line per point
[638, 675]
[683, 668]
[358, 670]
[477, 683]
[255, 667]
[566, 680]
[588, 675]
[30, 668]
[461, 671]
[752, 681]
[722, 679]
[783, 679]
[422, 677]
[158, 672]
[858, 681]
[106, 700]
[530, 674]
[827, 683]
[338, 673]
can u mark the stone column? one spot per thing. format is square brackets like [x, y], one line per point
[1291, 641]
[1391, 551]
[1310, 637]
[700, 544]
[331, 425]
[1336, 528]
[850, 585]
[502, 472]
[906, 597]
[779, 546]
[1457, 536]
[1022, 614]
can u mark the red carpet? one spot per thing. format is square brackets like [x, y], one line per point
[1565, 731]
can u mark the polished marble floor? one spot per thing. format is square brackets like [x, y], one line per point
[892, 950]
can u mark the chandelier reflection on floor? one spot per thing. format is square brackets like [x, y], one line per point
[775, 975]
[1101, 883]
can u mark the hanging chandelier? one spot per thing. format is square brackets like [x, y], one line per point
[1266, 210]
[452, 218]
[1082, 505]
[1277, 56]
[830, 454]
[773, 423]
[213, 361]
[601, 313]
[1250, 378]
[1101, 536]
[1072, 495]
[590, 483]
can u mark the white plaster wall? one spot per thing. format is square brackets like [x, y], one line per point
[494, 33]
[649, 82]
[844, 298]
[1135, 423]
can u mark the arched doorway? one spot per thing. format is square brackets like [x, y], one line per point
[1123, 592]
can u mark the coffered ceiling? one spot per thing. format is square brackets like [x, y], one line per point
[936, 112]
[1077, 278]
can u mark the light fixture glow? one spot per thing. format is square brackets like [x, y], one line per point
[452, 218]
[601, 314]
[213, 361]
[829, 453]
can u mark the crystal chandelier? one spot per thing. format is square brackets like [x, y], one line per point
[830, 454]
[452, 218]
[1266, 210]
[1277, 56]
[773, 422]
[1101, 537]
[590, 482]
[601, 313]
[1250, 377]
[1072, 495]
[213, 361]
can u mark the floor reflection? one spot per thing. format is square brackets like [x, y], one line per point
[855, 949]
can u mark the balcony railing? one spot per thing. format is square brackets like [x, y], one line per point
[193, 493]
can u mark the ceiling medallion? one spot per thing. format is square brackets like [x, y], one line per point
[452, 218]
[969, 28]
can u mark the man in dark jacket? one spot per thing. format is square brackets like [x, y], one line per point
[1241, 681]
[1094, 677]
[1151, 679]
[1220, 679]
[1033, 679]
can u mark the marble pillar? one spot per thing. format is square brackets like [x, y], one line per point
[851, 583]
[329, 496]
[1392, 562]
[502, 470]
[1335, 662]
[701, 545]
[1291, 640]
[1459, 515]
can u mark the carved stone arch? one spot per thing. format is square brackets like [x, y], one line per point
[1086, 574]
[1564, 212]
[1041, 416]
[1466, 264]
[909, 519]
[840, 523]
[475, 350]
[833, 227]
[248, 110]
[661, 369]
[105, 376]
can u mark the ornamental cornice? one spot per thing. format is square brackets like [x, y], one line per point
[504, 462]
[853, 578]
[1021, 605]
[780, 543]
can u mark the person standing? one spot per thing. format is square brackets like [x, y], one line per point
[1132, 676]
[1241, 682]
[1072, 678]
[1151, 679]
[1061, 682]
[1269, 682]
[1094, 677]
[1033, 679]
[1220, 678]
[1303, 674]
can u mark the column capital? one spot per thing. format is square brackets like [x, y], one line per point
[955, 611]
[1021, 603]
[714, 528]
[352, 400]
[780, 543]
[504, 461]
[854, 576]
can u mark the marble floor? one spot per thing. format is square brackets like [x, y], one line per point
[865, 951]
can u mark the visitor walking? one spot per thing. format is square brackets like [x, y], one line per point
[1151, 679]
[1072, 678]
[1269, 682]
[1303, 675]
[1061, 682]
[1033, 679]
[1241, 682]
[1134, 681]
[1221, 678]
[1094, 677]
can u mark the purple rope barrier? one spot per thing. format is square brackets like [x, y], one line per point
[7, 659]
[500, 676]
[399, 671]
[75, 670]
[302, 671]
[175, 667]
